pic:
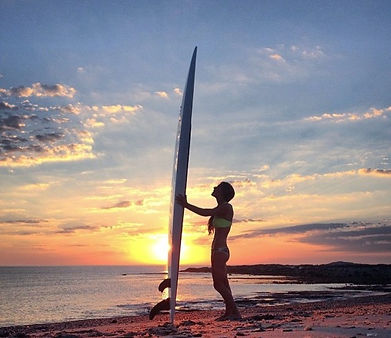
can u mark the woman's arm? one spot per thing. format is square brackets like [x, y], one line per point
[182, 200]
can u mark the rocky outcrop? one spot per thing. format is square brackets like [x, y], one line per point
[336, 272]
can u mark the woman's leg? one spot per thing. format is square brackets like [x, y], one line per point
[221, 284]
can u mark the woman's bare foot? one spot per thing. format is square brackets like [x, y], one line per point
[221, 318]
[234, 316]
[229, 316]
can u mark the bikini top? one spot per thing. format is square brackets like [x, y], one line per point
[221, 222]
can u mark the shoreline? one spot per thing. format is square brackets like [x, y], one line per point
[367, 316]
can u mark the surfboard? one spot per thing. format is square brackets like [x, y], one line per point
[179, 181]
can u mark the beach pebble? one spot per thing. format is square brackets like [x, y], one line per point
[263, 317]
[190, 323]
[66, 335]
[295, 320]
[308, 328]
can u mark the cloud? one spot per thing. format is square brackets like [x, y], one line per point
[32, 134]
[162, 94]
[6, 106]
[295, 229]
[372, 113]
[22, 221]
[122, 204]
[277, 57]
[70, 108]
[359, 237]
[375, 172]
[347, 237]
[313, 53]
[33, 187]
[39, 89]
[113, 109]
[248, 220]
[71, 228]
[50, 137]
[178, 91]
[125, 204]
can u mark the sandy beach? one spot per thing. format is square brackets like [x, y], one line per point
[356, 317]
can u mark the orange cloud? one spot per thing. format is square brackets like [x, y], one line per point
[162, 94]
[372, 113]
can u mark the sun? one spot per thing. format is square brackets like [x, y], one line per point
[160, 248]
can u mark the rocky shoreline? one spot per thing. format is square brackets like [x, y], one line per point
[336, 272]
[364, 316]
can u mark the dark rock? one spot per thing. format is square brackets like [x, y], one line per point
[336, 272]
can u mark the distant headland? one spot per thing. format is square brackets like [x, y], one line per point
[335, 272]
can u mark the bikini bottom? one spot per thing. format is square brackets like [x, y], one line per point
[222, 249]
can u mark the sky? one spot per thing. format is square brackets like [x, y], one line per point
[292, 105]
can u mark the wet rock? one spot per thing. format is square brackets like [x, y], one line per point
[66, 335]
[263, 317]
[163, 330]
[190, 323]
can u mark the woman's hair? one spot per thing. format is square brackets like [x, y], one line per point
[227, 190]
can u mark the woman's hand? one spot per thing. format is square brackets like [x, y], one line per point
[182, 200]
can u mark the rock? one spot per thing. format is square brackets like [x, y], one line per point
[190, 323]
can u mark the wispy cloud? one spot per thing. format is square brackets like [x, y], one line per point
[348, 237]
[372, 113]
[122, 204]
[114, 109]
[70, 228]
[39, 89]
[22, 221]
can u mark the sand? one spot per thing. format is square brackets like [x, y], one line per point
[356, 317]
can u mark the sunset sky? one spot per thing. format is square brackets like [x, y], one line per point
[292, 105]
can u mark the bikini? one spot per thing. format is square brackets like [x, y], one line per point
[219, 222]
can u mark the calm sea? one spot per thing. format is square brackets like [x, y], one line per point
[30, 295]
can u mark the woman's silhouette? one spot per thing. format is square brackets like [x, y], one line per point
[220, 222]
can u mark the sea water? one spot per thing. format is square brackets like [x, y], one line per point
[30, 295]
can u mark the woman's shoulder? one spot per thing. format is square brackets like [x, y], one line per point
[224, 210]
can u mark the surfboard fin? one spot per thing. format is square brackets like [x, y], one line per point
[165, 284]
[163, 305]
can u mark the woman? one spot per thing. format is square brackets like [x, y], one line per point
[220, 222]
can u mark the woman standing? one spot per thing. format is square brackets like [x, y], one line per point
[220, 222]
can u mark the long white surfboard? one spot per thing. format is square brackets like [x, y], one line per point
[179, 180]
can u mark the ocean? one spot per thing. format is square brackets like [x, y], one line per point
[32, 295]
